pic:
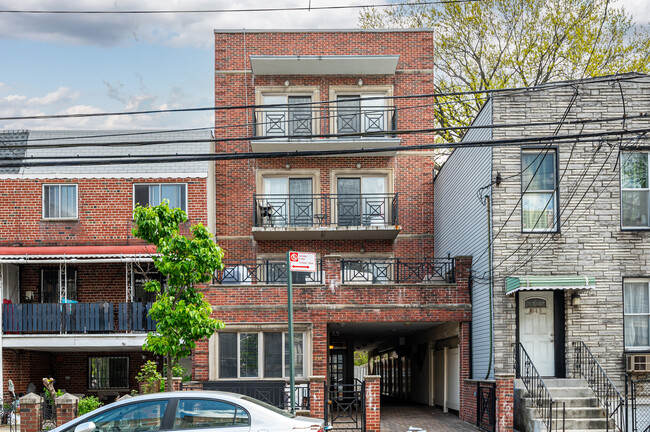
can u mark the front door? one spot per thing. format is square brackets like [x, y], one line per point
[536, 329]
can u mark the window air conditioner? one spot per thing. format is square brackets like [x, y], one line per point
[638, 363]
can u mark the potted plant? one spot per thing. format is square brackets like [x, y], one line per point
[149, 378]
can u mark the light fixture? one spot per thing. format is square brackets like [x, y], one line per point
[286, 83]
[360, 82]
[362, 250]
[358, 165]
[499, 179]
[288, 165]
[575, 299]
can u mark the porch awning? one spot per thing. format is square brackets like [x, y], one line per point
[70, 254]
[544, 283]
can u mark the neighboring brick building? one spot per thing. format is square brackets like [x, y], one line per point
[71, 272]
[570, 241]
[368, 217]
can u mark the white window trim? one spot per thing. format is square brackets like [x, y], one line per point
[335, 91]
[312, 91]
[187, 194]
[555, 192]
[622, 189]
[76, 217]
[260, 329]
[635, 348]
[388, 173]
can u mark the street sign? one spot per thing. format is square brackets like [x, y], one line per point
[302, 261]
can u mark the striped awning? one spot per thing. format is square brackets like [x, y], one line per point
[545, 283]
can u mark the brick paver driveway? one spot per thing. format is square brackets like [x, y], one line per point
[398, 418]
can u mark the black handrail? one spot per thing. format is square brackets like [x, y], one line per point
[612, 401]
[397, 270]
[264, 271]
[546, 405]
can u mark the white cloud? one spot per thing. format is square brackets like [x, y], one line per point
[15, 98]
[61, 94]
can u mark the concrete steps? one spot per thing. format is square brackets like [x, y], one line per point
[582, 410]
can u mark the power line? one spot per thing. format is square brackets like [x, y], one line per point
[196, 11]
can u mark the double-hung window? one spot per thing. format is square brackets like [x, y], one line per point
[361, 112]
[363, 201]
[539, 206]
[288, 201]
[153, 194]
[108, 372]
[60, 201]
[287, 115]
[635, 189]
[259, 355]
[637, 313]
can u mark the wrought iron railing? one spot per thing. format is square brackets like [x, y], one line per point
[586, 366]
[308, 210]
[276, 393]
[76, 318]
[345, 405]
[486, 405]
[264, 271]
[552, 412]
[397, 270]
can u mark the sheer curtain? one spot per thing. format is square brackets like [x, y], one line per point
[637, 313]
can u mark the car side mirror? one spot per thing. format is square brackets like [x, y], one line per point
[85, 427]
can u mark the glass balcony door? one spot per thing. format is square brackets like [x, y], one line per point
[290, 118]
[361, 200]
[360, 113]
[291, 200]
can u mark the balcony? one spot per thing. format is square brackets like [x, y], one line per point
[290, 127]
[325, 216]
[76, 318]
[264, 271]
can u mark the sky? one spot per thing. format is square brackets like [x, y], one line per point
[82, 63]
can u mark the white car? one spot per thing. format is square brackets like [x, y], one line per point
[191, 410]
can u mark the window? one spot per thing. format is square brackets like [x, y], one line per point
[204, 413]
[361, 112]
[140, 278]
[134, 417]
[289, 201]
[637, 313]
[292, 116]
[363, 201]
[539, 191]
[60, 201]
[51, 281]
[634, 190]
[154, 194]
[259, 355]
[108, 373]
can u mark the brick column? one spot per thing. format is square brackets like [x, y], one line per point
[372, 403]
[505, 402]
[317, 396]
[332, 269]
[30, 413]
[66, 408]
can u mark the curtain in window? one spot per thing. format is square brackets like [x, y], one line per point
[538, 187]
[277, 190]
[68, 201]
[175, 194]
[274, 119]
[637, 313]
[374, 200]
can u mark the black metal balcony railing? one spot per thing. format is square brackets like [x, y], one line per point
[264, 271]
[76, 318]
[397, 270]
[307, 210]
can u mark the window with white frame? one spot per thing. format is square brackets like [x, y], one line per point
[362, 112]
[539, 205]
[60, 201]
[289, 201]
[362, 200]
[287, 115]
[636, 313]
[153, 194]
[259, 355]
[635, 189]
[108, 372]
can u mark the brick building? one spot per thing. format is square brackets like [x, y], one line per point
[70, 270]
[568, 236]
[367, 216]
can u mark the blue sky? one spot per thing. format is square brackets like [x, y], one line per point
[57, 64]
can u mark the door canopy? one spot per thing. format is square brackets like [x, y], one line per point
[546, 283]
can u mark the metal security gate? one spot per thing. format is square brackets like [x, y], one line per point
[486, 405]
[638, 405]
[345, 407]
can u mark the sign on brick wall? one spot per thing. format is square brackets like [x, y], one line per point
[302, 261]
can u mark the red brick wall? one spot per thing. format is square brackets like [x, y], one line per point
[105, 208]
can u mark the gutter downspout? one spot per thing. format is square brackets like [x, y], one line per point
[489, 221]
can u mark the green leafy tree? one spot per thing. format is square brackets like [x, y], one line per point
[492, 44]
[181, 313]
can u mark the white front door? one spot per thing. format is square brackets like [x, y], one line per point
[536, 329]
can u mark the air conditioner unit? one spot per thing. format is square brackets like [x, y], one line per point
[638, 363]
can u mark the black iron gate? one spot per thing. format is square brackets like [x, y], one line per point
[486, 405]
[345, 406]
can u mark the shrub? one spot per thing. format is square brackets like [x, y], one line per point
[88, 404]
[149, 378]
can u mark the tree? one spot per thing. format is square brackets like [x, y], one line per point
[182, 315]
[493, 44]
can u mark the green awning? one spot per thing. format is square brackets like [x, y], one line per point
[545, 283]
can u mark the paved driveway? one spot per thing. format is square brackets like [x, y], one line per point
[398, 418]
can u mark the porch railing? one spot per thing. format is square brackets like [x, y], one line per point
[586, 366]
[553, 412]
[308, 210]
[264, 271]
[276, 393]
[397, 270]
[76, 318]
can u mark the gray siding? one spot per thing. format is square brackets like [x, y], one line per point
[460, 221]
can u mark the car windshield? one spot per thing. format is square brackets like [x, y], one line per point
[269, 407]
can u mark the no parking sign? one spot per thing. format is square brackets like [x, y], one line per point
[302, 261]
